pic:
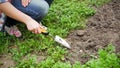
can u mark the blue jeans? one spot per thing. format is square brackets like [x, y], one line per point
[37, 9]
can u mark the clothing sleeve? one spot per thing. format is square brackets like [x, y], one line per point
[49, 1]
[2, 1]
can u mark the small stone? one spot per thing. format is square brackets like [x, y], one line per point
[81, 32]
[81, 51]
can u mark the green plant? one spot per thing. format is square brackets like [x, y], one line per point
[98, 2]
[77, 65]
[48, 63]
[61, 65]
[28, 62]
[107, 59]
[56, 53]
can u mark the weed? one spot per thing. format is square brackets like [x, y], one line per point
[98, 2]
[60, 64]
[77, 65]
[29, 62]
[48, 63]
[107, 59]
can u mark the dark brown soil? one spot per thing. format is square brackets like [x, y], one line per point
[102, 28]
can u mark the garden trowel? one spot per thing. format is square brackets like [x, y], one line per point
[56, 38]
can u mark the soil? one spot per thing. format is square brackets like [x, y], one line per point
[102, 28]
[6, 61]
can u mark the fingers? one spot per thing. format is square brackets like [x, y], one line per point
[36, 31]
[35, 27]
[25, 2]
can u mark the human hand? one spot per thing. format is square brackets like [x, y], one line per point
[34, 26]
[25, 2]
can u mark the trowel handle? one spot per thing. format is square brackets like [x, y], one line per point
[44, 31]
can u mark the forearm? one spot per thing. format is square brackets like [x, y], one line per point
[14, 13]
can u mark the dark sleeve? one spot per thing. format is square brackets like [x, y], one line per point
[2, 1]
[49, 1]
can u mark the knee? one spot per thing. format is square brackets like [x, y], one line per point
[36, 9]
[43, 9]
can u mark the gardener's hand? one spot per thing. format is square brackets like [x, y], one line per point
[34, 26]
[25, 2]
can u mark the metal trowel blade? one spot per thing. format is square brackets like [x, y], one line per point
[58, 39]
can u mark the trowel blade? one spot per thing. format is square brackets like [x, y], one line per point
[58, 39]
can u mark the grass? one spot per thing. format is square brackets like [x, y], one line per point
[64, 16]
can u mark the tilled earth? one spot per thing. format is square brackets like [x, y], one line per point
[102, 28]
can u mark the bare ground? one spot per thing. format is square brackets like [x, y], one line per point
[6, 61]
[102, 28]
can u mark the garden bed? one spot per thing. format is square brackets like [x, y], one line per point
[102, 29]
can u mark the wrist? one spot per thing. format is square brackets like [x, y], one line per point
[27, 20]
